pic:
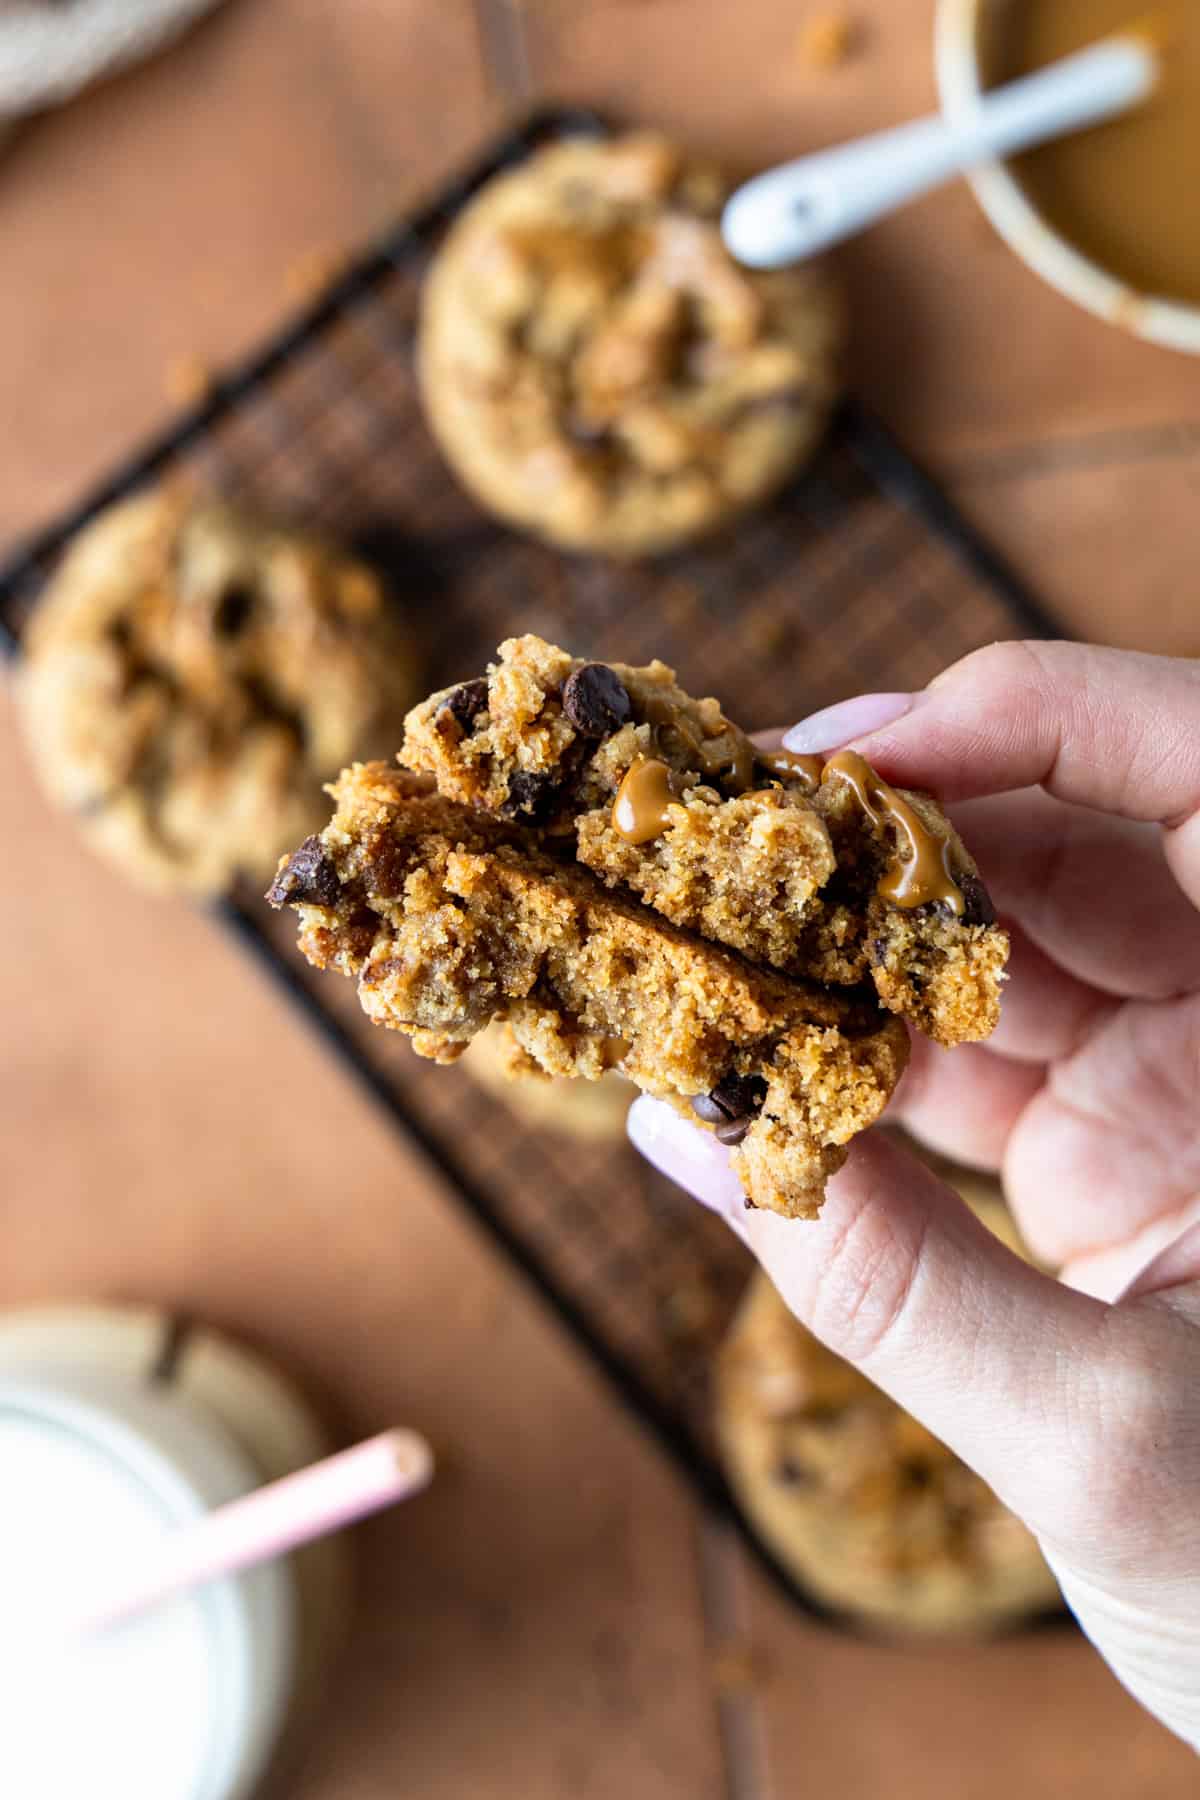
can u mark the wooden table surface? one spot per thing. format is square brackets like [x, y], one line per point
[545, 1621]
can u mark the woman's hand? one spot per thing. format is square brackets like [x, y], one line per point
[1074, 776]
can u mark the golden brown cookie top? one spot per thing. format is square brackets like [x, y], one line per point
[585, 322]
[869, 1510]
[194, 675]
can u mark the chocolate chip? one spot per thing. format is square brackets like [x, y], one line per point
[917, 1476]
[790, 1473]
[532, 798]
[732, 1131]
[586, 435]
[595, 701]
[732, 1106]
[977, 902]
[740, 1096]
[308, 878]
[233, 611]
[462, 706]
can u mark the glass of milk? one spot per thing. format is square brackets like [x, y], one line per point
[107, 1446]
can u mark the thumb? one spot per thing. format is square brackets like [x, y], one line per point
[901, 1279]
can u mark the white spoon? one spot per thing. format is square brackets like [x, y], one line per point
[802, 207]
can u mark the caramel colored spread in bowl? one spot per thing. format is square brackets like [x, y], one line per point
[1121, 192]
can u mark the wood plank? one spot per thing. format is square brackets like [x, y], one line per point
[1106, 529]
[1038, 1715]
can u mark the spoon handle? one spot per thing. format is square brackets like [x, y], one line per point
[802, 207]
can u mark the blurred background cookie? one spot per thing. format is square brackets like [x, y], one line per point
[194, 676]
[866, 1509]
[593, 1110]
[596, 367]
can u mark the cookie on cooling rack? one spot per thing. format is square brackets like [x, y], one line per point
[596, 367]
[193, 676]
[592, 1111]
[869, 1512]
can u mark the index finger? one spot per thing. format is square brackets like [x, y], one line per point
[1110, 729]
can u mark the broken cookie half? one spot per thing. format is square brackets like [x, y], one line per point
[612, 867]
[449, 917]
[815, 867]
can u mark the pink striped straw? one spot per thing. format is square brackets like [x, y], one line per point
[273, 1520]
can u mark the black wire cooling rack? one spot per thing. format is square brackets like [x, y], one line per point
[860, 576]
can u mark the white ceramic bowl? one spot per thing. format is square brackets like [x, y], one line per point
[960, 75]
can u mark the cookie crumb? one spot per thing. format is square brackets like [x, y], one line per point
[736, 1668]
[681, 605]
[188, 379]
[689, 1311]
[769, 634]
[310, 273]
[829, 40]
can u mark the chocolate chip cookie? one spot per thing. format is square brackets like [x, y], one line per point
[591, 1111]
[448, 918]
[871, 1513]
[816, 867]
[193, 677]
[597, 368]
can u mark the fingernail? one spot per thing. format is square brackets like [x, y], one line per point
[836, 725]
[688, 1156]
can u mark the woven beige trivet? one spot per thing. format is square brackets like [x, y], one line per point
[49, 49]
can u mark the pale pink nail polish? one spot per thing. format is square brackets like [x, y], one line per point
[688, 1156]
[836, 725]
